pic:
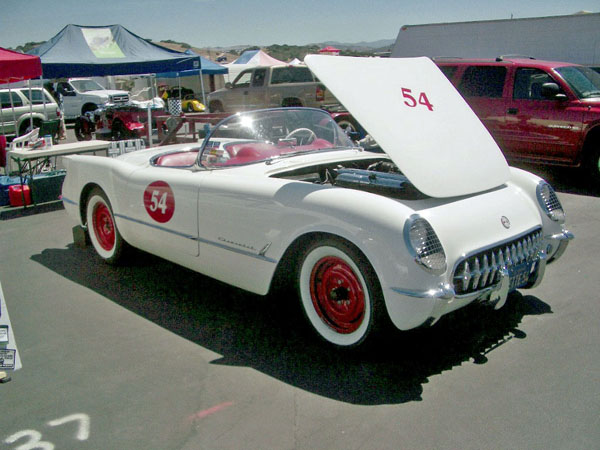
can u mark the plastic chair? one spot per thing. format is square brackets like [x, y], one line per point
[19, 142]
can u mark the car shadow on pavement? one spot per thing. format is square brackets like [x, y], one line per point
[271, 335]
[564, 179]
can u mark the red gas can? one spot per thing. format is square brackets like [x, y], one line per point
[16, 194]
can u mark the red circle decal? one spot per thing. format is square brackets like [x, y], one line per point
[159, 201]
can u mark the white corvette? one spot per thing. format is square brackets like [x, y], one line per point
[436, 222]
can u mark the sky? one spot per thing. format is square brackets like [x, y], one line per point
[224, 23]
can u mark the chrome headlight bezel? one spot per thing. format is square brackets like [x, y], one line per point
[424, 245]
[549, 202]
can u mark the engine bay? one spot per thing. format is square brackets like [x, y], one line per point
[379, 176]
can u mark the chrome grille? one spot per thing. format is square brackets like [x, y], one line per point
[482, 269]
[120, 98]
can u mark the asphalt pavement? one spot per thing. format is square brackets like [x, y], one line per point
[150, 355]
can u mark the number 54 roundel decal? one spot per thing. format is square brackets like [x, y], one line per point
[159, 201]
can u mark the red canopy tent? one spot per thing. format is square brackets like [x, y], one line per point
[16, 66]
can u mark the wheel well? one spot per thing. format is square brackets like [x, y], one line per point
[83, 200]
[88, 107]
[25, 123]
[291, 101]
[287, 265]
[592, 139]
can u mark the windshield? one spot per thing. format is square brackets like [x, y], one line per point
[86, 85]
[255, 136]
[584, 81]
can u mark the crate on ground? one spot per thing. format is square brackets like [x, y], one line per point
[46, 187]
[130, 145]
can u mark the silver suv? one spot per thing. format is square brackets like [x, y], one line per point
[20, 108]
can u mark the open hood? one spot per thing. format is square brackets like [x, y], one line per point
[419, 119]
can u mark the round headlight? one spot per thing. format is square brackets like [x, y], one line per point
[549, 202]
[424, 245]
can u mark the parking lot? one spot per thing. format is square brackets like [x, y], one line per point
[152, 356]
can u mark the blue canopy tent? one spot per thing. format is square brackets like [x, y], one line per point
[207, 67]
[84, 51]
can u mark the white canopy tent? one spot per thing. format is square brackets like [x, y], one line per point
[248, 59]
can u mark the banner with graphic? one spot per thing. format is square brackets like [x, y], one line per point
[102, 43]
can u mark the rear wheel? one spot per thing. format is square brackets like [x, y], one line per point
[340, 293]
[102, 229]
[120, 132]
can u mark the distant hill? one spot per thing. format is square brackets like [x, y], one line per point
[286, 52]
[375, 45]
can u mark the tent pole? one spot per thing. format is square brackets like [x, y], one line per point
[12, 107]
[202, 86]
[43, 97]
[30, 105]
[149, 125]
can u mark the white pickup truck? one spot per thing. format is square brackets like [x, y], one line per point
[80, 95]
[271, 86]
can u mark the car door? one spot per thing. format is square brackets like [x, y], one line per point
[255, 95]
[237, 95]
[159, 209]
[540, 128]
[68, 96]
[483, 86]
[12, 109]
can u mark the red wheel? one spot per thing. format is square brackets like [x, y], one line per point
[340, 293]
[337, 294]
[103, 226]
[104, 235]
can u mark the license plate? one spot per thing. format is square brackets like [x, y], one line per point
[7, 358]
[519, 275]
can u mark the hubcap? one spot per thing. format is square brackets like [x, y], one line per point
[337, 294]
[104, 227]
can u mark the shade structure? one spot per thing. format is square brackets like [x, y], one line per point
[16, 66]
[84, 51]
[208, 68]
[248, 59]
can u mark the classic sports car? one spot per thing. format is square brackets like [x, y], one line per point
[190, 103]
[404, 237]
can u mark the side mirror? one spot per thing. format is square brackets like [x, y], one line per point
[552, 91]
[228, 85]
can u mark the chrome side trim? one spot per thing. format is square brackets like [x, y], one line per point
[69, 201]
[201, 240]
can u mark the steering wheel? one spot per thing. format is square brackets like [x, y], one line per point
[305, 136]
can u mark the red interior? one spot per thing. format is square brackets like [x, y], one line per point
[241, 153]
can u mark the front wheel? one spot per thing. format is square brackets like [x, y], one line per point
[83, 129]
[102, 229]
[215, 107]
[340, 293]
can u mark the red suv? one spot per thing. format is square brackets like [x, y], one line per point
[538, 111]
